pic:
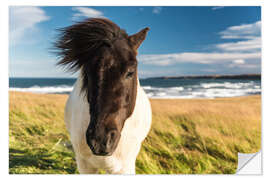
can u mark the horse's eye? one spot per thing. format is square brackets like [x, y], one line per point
[129, 74]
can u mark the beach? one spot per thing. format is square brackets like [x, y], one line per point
[188, 136]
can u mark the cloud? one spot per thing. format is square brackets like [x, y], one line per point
[241, 54]
[217, 7]
[251, 45]
[241, 64]
[23, 19]
[244, 31]
[195, 57]
[152, 73]
[157, 10]
[239, 61]
[249, 36]
[36, 68]
[86, 12]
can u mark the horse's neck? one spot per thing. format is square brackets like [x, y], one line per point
[138, 83]
[78, 86]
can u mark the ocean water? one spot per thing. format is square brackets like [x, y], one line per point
[154, 88]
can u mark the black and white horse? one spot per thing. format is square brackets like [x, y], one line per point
[107, 114]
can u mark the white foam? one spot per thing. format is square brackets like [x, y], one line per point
[203, 90]
[161, 94]
[177, 88]
[44, 90]
[227, 85]
[146, 87]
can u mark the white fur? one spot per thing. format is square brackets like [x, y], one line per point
[135, 130]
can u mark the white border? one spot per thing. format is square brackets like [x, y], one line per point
[4, 73]
[138, 2]
[4, 89]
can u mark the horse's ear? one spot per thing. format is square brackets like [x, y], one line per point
[137, 39]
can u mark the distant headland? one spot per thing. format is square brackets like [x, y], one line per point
[239, 76]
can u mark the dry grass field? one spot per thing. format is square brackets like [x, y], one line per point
[187, 135]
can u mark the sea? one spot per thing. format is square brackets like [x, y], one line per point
[154, 87]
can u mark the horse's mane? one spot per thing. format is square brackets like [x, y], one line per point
[80, 42]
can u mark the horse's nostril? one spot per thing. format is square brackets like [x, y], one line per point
[112, 134]
[94, 143]
[111, 137]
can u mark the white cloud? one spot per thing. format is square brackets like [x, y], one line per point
[250, 45]
[153, 73]
[86, 12]
[250, 35]
[24, 19]
[195, 57]
[217, 7]
[157, 10]
[244, 66]
[244, 31]
[242, 54]
[36, 68]
[239, 61]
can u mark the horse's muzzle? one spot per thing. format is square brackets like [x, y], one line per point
[103, 145]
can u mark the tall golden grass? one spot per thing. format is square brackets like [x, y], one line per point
[187, 135]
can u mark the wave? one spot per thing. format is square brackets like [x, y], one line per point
[44, 90]
[212, 93]
[203, 90]
[227, 85]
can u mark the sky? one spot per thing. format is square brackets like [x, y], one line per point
[182, 40]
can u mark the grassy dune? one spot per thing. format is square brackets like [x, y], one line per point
[187, 136]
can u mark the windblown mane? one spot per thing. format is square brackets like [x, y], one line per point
[80, 42]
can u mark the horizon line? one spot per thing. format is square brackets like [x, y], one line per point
[149, 77]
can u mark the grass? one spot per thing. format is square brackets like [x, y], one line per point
[187, 136]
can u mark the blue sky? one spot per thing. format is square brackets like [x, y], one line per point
[181, 40]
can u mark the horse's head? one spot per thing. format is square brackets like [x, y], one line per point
[106, 56]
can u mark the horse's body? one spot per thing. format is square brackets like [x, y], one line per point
[107, 114]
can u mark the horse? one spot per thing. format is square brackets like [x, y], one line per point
[107, 114]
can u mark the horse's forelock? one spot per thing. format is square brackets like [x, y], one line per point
[81, 42]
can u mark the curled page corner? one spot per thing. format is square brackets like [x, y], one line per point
[249, 163]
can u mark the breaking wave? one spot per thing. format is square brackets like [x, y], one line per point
[200, 90]
[63, 89]
[204, 90]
